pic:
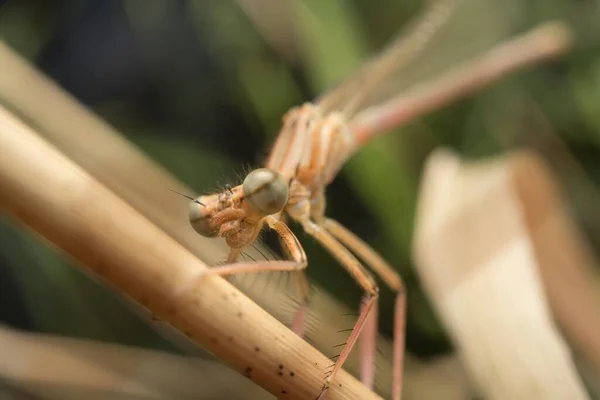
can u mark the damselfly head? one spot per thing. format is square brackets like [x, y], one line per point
[266, 191]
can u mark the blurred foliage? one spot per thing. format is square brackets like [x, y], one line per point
[201, 90]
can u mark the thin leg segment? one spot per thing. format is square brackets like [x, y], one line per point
[362, 277]
[393, 280]
[367, 345]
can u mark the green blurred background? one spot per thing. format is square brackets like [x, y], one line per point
[201, 87]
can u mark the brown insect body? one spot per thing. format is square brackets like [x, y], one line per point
[313, 144]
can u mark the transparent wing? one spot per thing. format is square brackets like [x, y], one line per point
[398, 53]
[449, 32]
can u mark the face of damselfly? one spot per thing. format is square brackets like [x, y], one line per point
[264, 192]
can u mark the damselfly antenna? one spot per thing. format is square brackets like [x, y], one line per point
[188, 197]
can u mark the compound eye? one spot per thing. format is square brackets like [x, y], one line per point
[200, 219]
[266, 191]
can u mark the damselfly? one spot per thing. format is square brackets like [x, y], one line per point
[315, 141]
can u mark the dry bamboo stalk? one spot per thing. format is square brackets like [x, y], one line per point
[91, 369]
[56, 198]
[99, 370]
[478, 258]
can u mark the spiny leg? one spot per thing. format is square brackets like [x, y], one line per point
[367, 346]
[362, 277]
[300, 318]
[291, 248]
[393, 280]
[297, 264]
